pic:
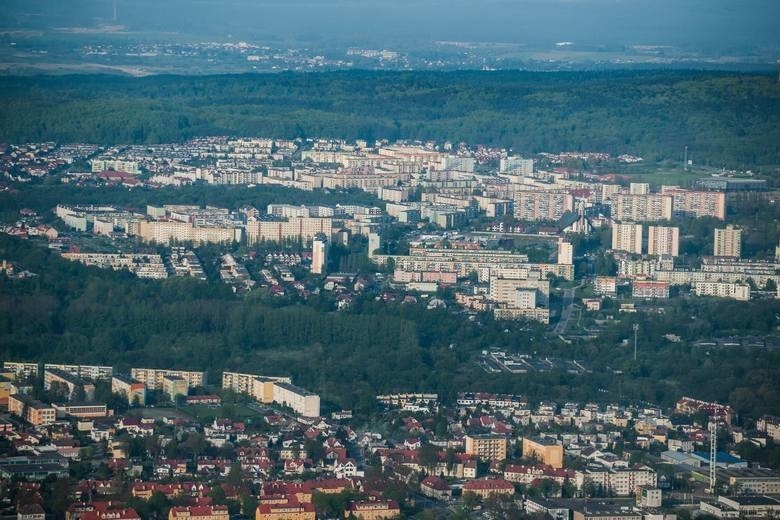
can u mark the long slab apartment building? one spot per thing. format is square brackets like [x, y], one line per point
[279, 390]
[463, 262]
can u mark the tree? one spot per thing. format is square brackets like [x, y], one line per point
[428, 456]
[235, 475]
[470, 500]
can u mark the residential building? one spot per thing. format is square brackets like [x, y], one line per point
[639, 188]
[642, 208]
[287, 510]
[627, 236]
[728, 242]
[373, 510]
[295, 228]
[174, 386]
[516, 166]
[650, 289]
[565, 252]
[487, 447]
[690, 203]
[542, 205]
[547, 451]
[169, 231]
[319, 254]
[31, 410]
[301, 401]
[617, 480]
[663, 240]
[436, 488]
[736, 291]
[21, 369]
[485, 488]
[153, 377]
[206, 512]
[55, 379]
[770, 425]
[133, 390]
[93, 372]
[606, 285]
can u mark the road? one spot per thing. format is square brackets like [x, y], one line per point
[568, 299]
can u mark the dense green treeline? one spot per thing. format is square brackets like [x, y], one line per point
[71, 313]
[726, 119]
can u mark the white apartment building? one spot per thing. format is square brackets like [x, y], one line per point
[92, 372]
[728, 242]
[642, 208]
[627, 236]
[153, 377]
[663, 240]
[736, 291]
[301, 401]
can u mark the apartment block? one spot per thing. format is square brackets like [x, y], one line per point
[133, 390]
[54, 378]
[639, 188]
[286, 511]
[168, 231]
[373, 510]
[736, 291]
[93, 372]
[31, 410]
[642, 208]
[546, 451]
[295, 228]
[606, 285]
[542, 205]
[650, 289]
[205, 512]
[487, 447]
[319, 254]
[627, 236]
[248, 384]
[485, 488]
[565, 252]
[697, 204]
[21, 369]
[301, 401]
[516, 166]
[153, 377]
[618, 481]
[173, 386]
[728, 242]
[663, 240]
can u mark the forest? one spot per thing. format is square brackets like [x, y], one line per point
[72, 313]
[725, 119]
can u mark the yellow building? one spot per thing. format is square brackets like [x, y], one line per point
[489, 487]
[285, 512]
[199, 513]
[31, 410]
[174, 386]
[5, 389]
[545, 450]
[373, 510]
[489, 447]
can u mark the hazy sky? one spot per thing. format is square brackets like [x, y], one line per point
[698, 24]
